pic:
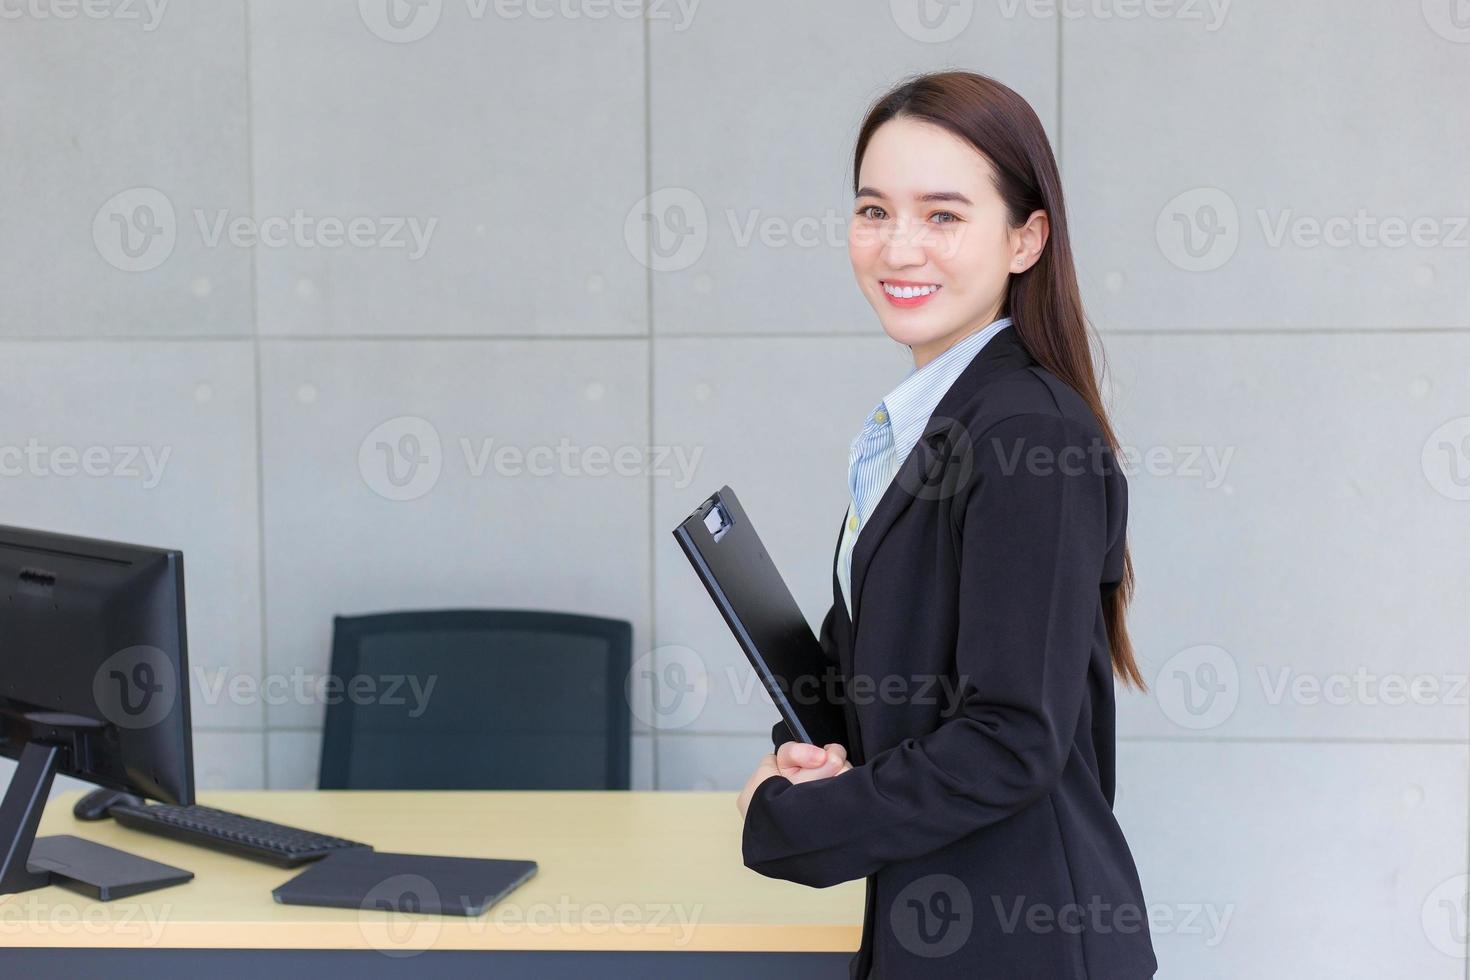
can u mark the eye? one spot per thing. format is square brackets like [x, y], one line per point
[863, 211]
[950, 214]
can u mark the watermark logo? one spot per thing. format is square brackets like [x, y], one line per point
[1199, 687]
[945, 462]
[933, 916]
[406, 21]
[1446, 459]
[667, 687]
[400, 21]
[135, 230]
[668, 230]
[391, 915]
[402, 458]
[395, 918]
[1450, 19]
[136, 687]
[1445, 916]
[932, 21]
[1199, 230]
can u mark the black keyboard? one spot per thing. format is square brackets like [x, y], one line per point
[248, 837]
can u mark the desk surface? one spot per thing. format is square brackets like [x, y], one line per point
[618, 871]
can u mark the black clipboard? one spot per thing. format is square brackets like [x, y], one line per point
[727, 555]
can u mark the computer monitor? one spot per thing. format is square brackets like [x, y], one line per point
[93, 684]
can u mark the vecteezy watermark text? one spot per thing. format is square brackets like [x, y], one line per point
[137, 229]
[1209, 13]
[37, 459]
[148, 13]
[403, 458]
[411, 691]
[406, 21]
[303, 230]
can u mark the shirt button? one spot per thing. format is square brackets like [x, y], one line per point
[852, 523]
[881, 415]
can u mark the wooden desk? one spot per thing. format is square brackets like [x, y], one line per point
[630, 884]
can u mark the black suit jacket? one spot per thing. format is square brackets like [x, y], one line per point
[977, 691]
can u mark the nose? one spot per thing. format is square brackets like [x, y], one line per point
[904, 245]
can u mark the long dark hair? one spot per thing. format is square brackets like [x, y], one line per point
[1043, 302]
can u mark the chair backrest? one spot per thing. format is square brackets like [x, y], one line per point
[477, 699]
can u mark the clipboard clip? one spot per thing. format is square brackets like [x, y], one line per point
[717, 521]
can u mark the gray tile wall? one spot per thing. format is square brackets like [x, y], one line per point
[295, 272]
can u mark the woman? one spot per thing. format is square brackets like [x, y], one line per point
[979, 584]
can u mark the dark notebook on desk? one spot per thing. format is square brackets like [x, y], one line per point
[362, 879]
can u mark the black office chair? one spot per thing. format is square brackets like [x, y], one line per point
[519, 700]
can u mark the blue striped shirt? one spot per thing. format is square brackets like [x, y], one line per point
[890, 434]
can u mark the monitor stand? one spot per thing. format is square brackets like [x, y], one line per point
[28, 862]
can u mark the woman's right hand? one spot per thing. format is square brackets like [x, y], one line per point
[801, 762]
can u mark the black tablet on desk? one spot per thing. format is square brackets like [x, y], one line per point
[358, 878]
[727, 555]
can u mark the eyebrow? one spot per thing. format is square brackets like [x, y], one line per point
[930, 196]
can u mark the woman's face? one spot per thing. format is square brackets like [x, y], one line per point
[930, 225]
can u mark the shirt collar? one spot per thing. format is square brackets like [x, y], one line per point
[910, 405]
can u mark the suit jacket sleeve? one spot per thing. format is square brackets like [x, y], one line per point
[1032, 543]
[780, 734]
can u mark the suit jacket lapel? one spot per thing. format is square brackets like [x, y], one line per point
[927, 461]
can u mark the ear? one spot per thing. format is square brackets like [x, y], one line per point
[1028, 240]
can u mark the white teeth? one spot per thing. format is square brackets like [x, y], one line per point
[908, 292]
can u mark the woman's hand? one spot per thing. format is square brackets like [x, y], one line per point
[799, 762]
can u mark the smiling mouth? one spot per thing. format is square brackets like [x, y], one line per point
[908, 294]
[908, 290]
